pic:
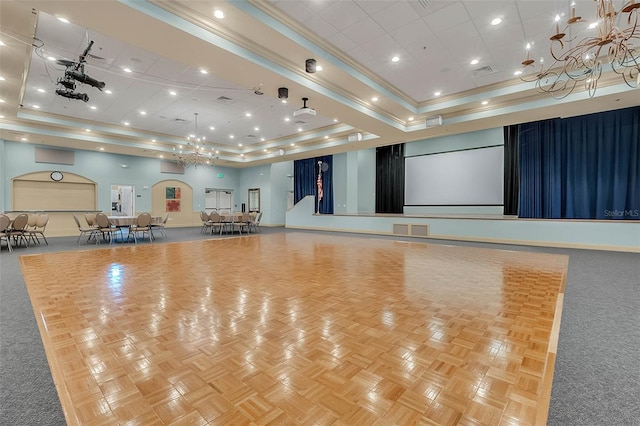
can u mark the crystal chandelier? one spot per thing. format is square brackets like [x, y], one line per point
[613, 42]
[194, 152]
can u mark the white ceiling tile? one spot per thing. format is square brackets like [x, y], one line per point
[413, 31]
[363, 31]
[320, 27]
[373, 6]
[447, 17]
[382, 47]
[343, 14]
[342, 42]
[395, 15]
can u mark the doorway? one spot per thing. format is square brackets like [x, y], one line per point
[217, 200]
[122, 200]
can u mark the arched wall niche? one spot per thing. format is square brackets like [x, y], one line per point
[176, 198]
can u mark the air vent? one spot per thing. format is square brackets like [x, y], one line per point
[250, 137]
[223, 99]
[300, 122]
[180, 120]
[486, 70]
[424, 3]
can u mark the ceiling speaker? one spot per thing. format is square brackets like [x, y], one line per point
[310, 65]
[434, 121]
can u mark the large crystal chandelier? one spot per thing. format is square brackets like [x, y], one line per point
[194, 152]
[612, 43]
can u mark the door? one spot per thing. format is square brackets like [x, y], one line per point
[122, 200]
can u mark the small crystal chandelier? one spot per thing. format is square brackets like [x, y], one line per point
[614, 44]
[194, 153]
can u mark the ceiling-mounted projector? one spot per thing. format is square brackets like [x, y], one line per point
[304, 110]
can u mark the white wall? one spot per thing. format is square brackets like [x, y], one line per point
[106, 169]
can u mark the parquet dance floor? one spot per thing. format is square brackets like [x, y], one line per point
[298, 328]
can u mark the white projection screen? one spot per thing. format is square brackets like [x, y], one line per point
[456, 178]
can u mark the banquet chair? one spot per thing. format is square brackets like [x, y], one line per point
[41, 222]
[4, 231]
[215, 221]
[17, 231]
[255, 222]
[204, 217]
[84, 231]
[241, 221]
[91, 219]
[106, 228]
[142, 224]
[160, 226]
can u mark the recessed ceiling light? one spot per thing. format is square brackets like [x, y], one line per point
[36, 106]
[326, 137]
[261, 139]
[287, 119]
[335, 120]
[1, 101]
[203, 71]
[517, 72]
[172, 93]
[437, 93]
[218, 14]
[211, 128]
[241, 155]
[101, 148]
[23, 139]
[1, 116]
[126, 69]
[2, 43]
[39, 90]
[2, 79]
[374, 99]
[87, 130]
[161, 156]
[318, 67]
[231, 137]
[108, 92]
[593, 25]
[50, 58]
[299, 129]
[217, 152]
[61, 19]
[265, 150]
[248, 114]
[410, 118]
[485, 102]
[153, 140]
[395, 59]
[284, 101]
[496, 21]
[474, 61]
[143, 112]
[256, 128]
[126, 123]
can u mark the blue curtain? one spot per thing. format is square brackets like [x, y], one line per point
[305, 179]
[585, 167]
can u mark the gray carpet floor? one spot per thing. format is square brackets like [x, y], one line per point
[597, 372]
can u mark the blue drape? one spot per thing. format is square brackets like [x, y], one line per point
[305, 177]
[585, 167]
